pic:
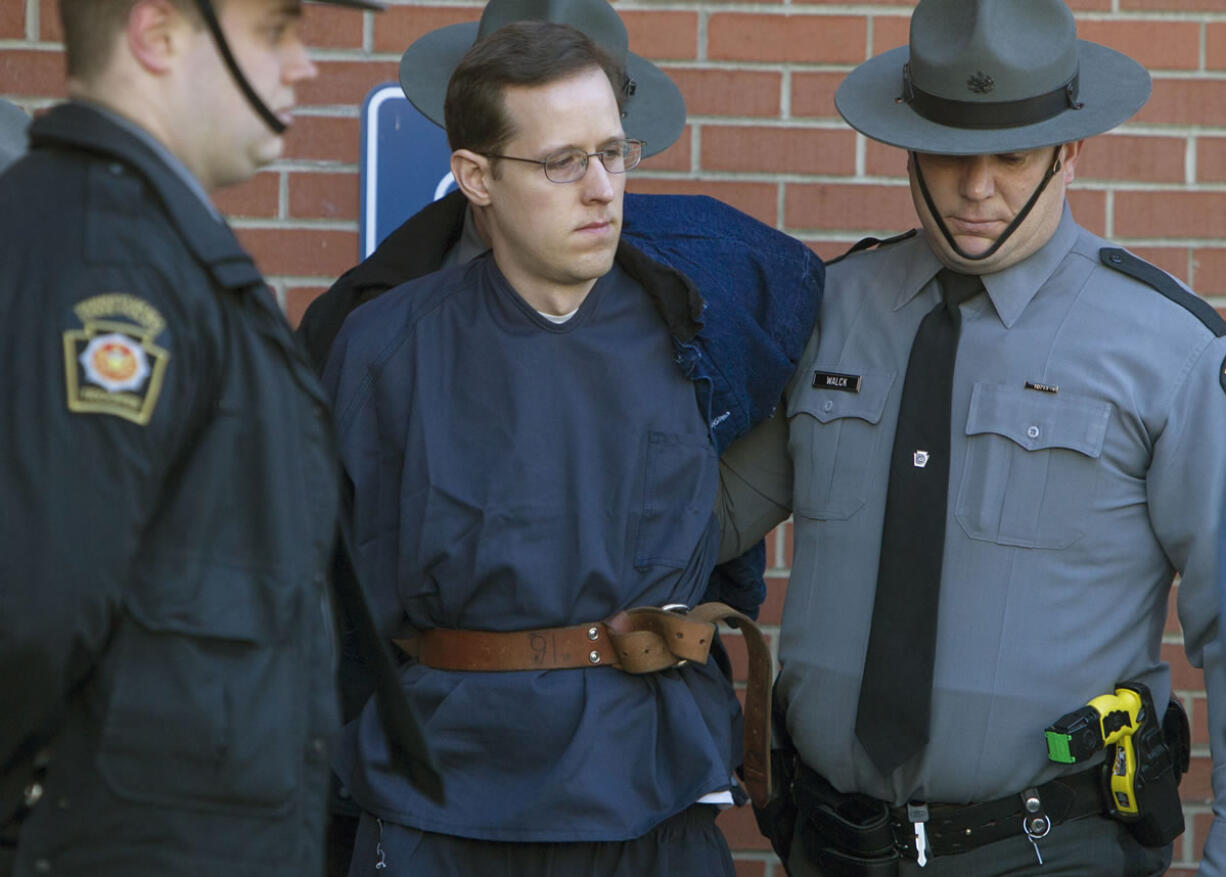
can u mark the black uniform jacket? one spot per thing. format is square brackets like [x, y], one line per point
[414, 249]
[169, 501]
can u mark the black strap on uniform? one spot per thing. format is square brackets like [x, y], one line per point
[240, 79]
[870, 242]
[405, 742]
[1158, 280]
[1004, 235]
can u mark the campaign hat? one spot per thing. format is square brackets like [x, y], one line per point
[654, 107]
[991, 76]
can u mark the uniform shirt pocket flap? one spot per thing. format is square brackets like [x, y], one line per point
[215, 601]
[1037, 420]
[866, 403]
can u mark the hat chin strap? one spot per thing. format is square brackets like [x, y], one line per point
[223, 49]
[1004, 235]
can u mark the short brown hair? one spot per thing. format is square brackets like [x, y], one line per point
[524, 53]
[90, 27]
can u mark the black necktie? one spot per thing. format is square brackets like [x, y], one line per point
[896, 691]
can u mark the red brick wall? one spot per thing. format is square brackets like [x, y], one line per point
[759, 80]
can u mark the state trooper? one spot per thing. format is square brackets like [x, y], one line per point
[1002, 443]
[169, 478]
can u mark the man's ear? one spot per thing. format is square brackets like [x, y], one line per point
[155, 33]
[1071, 152]
[472, 173]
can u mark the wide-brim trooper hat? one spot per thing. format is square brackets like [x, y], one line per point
[991, 76]
[654, 109]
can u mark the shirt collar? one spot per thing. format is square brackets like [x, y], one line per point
[469, 246]
[1010, 290]
[82, 128]
[168, 158]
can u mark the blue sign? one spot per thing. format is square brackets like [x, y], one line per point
[406, 164]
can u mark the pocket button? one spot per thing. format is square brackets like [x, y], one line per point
[1033, 432]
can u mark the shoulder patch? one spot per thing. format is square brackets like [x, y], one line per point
[869, 243]
[111, 365]
[1155, 278]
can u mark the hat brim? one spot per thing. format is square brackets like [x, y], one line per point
[655, 113]
[1112, 87]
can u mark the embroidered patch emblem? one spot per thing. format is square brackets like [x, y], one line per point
[114, 362]
[111, 365]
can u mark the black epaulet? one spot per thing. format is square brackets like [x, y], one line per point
[1152, 276]
[869, 243]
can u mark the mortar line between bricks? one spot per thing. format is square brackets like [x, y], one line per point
[844, 235]
[288, 167]
[1200, 243]
[857, 10]
[1089, 184]
[296, 282]
[1187, 15]
[757, 66]
[292, 224]
[714, 176]
[770, 122]
[32, 45]
[283, 212]
[827, 9]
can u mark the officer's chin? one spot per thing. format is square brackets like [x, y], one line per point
[970, 246]
[973, 245]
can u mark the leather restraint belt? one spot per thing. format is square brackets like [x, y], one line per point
[641, 640]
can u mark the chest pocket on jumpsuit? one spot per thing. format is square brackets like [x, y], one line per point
[833, 437]
[1031, 465]
[679, 476]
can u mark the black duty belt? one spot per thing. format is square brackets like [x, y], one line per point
[865, 828]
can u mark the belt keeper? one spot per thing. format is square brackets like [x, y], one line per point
[1037, 823]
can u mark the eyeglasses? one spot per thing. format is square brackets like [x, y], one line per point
[569, 165]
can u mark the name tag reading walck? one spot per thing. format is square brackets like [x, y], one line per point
[836, 381]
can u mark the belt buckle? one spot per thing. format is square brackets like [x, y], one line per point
[677, 609]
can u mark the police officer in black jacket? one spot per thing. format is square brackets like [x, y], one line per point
[168, 481]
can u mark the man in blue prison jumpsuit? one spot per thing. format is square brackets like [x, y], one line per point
[527, 454]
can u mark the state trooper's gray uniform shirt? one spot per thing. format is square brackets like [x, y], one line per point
[1088, 465]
